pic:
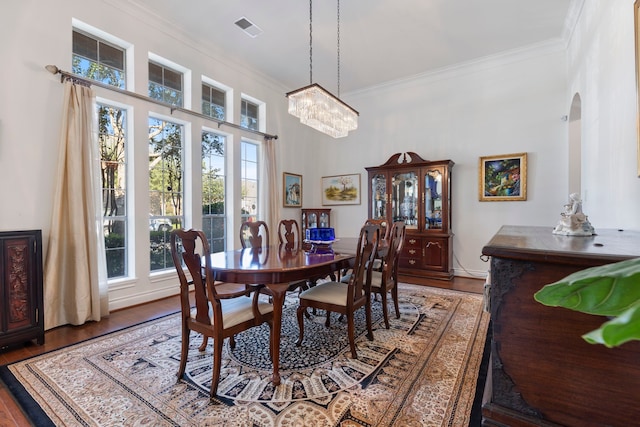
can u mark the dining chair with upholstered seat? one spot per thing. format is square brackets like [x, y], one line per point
[214, 309]
[291, 241]
[254, 234]
[384, 236]
[345, 298]
[385, 281]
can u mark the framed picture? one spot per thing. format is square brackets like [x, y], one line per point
[341, 190]
[503, 178]
[291, 190]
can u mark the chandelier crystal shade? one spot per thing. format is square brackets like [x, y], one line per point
[317, 107]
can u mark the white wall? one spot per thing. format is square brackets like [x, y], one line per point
[601, 60]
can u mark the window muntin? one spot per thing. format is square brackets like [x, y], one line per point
[112, 139]
[166, 194]
[213, 190]
[213, 102]
[249, 115]
[249, 181]
[165, 84]
[98, 60]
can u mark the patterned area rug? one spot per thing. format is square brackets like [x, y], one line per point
[420, 372]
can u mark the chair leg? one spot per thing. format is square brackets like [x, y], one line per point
[232, 342]
[184, 350]
[394, 295]
[327, 322]
[205, 341]
[385, 309]
[367, 308]
[351, 330]
[299, 313]
[217, 364]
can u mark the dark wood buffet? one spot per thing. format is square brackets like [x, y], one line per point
[542, 373]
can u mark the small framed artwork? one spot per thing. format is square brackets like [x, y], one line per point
[341, 190]
[503, 178]
[292, 190]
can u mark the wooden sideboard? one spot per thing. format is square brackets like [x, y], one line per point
[21, 299]
[542, 372]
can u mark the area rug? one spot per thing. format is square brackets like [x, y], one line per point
[420, 372]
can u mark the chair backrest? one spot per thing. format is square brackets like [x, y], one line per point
[289, 234]
[384, 227]
[365, 253]
[189, 246]
[396, 243]
[254, 234]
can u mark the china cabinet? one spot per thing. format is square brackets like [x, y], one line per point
[313, 218]
[21, 300]
[417, 191]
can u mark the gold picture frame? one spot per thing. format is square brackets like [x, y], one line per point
[291, 190]
[341, 190]
[503, 178]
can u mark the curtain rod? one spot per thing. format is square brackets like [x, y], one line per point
[55, 70]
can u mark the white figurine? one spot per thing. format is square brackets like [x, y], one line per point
[573, 222]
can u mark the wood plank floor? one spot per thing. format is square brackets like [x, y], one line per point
[11, 414]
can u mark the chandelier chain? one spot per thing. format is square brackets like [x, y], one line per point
[310, 42]
[338, 48]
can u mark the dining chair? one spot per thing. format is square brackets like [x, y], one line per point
[291, 241]
[345, 298]
[254, 234]
[385, 281]
[384, 235]
[214, 309]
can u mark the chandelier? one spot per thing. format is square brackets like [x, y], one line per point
[318, 108]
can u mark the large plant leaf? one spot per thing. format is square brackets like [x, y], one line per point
[607, 290]
[623, 328]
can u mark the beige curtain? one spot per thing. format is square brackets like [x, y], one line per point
[75, 276]
[270, 192]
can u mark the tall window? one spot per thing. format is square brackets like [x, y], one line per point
[166, 172]
[249, 181]
[98, 60]
[112, 137]
[249, 115]
[213, 102]
[213, 190]
[165, 84]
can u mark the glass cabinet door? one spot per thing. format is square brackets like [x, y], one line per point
[379, 196]
[433, 199]
[404, 198]
[312, 220]
[324, 220]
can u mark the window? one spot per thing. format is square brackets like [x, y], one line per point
[112, 137]
[213, 190]
[166, 172]
[249, 115]
[165, 84]
[98, 60]
[249, 181]
[213, 102]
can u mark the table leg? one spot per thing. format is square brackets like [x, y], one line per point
[278, 291]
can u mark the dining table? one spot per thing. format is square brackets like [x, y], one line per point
[275, 267]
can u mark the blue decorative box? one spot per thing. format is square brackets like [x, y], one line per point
[320, 234]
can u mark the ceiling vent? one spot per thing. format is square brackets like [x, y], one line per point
[248, 27]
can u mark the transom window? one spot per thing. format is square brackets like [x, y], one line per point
[166, 189]
[249, 115]
[112, 137]
[165, 84]
[213, 190]
[98, 60]
[213, 102]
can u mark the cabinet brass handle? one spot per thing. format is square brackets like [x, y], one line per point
[412, 251]
[412, 261]
[412, 241]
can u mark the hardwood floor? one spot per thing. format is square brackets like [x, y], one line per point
[11, 415]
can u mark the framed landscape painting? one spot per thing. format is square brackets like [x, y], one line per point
[292, 190]
[341, 190]
[503, 178]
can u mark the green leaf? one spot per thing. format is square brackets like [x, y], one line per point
[623, 328]
[607, 290]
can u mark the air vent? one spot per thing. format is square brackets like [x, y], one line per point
[248, 27]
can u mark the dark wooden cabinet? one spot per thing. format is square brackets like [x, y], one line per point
[542, 373]
[21, 299]
[312, 218]
[417, 191]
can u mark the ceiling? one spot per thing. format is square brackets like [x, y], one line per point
[381, 41]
